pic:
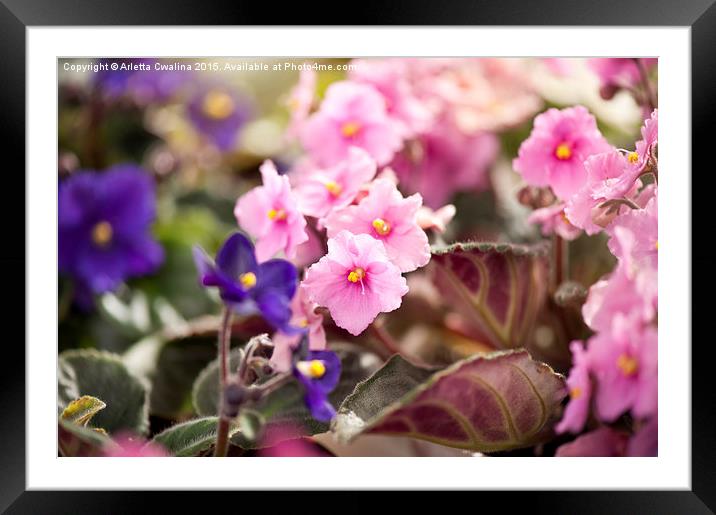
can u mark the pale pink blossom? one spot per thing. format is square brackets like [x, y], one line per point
[610, 177]
[127, 445]
[270, 214]
[635, 236]
[436, 220]
[646, 146]
[300, 101]
[444, 161]
[351, 115]
[356, 281]
[623, 72]
[385, 215]
[554, 221]
[554, 153]
[390, 78]
[580, 391]
[303, 315]
[624, 363]
[323, 190]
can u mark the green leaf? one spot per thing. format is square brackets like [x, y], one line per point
[486, 403]
[103, 375]
[497, 288]
[191, 438]
[81, 410]
[75, 440]
[284, 411]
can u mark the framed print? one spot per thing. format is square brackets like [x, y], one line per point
[271, 244]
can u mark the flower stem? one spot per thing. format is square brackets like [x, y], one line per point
[222, 428]
[648, 92]
[561, 261]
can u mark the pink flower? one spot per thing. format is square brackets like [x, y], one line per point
[624, 363]
[580, 391]
[635, 236]
[127, 445]
[303, 315]
[351, 115]
[300, 101]
[324, 190]
[554, 221]
[270, 214]
[610, 176]
[602, 442]
[385, 215]
[390, 78]
[446, 160]
[620, 72]
[646, 146]
[356, 281]
[626, 291]
[555, 151]
[436, 220]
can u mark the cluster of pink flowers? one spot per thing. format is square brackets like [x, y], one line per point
[601, 188]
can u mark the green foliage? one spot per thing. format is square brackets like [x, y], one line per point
[191, 438]
[81, 410]
[88, 372]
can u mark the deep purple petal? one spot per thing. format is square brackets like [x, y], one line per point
[321, 409]
[126, 194]
[333, 369]
[236, 256]
[275, 308]
[278, 275]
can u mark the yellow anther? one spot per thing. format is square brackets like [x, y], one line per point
[218, 105]
[575, 393]
[381, 227]
[350, 129]
[356, 275]
[563, 151]
[633, 157]
[277, 214]
[303, 322]
[333, 188]
[627, 364]
[248, 280]
[656, 244]
[102, 234]
[315, 369]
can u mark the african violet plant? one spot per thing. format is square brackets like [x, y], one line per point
[354, 298]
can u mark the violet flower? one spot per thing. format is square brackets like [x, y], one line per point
[318, 372]
[104, 225]
[219, 114]
[247, 287]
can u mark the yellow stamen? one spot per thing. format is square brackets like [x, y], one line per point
[350, 129]
[315, 369]
[333, 188]
[575, 393]
[563, 152]
[356, 275]
[303, 322]
[218, 105]
[248, 280]
[627, 364]
[633, 157]
[102, 234]
[381, 227]
[656, 244]
[277, 215]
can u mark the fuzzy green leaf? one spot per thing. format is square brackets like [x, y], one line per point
[81, 410]
[191, 438]
[88, 372]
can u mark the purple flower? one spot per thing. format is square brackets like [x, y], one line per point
[247, 287]
[219, 114]
[318, 372]
[140, 80]
[104, 225]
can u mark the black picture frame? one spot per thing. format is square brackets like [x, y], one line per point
[17, 15]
